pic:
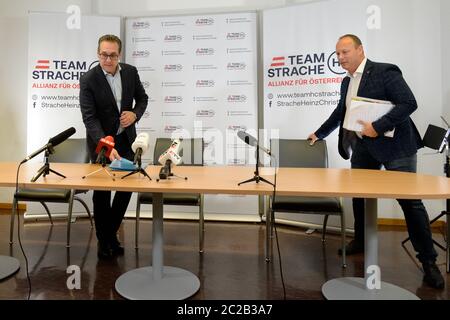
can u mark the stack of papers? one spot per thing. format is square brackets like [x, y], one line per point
[366, 109]
[123, 164]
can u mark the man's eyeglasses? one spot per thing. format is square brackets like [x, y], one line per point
[105, 56]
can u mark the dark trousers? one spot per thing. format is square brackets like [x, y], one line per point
[416, 216]
[108, 216]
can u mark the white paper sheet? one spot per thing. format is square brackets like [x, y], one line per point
[366, 109]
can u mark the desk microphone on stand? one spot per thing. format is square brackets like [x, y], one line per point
[104, 147]
[139, 147]
[169, 158]
[48, 148]
[250, 140]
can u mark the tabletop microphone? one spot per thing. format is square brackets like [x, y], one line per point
[63, 136]
[251, 141]
[140, 146]
[104, 147]
[170, 157]
[52, 142]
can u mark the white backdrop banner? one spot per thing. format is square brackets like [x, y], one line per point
[57, 58]
[59, 53]
[302, 75]
[200, 73]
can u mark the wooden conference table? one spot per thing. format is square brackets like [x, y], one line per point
[164, 282]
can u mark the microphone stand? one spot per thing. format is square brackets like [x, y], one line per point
[138, 170]
[103, 167]
[257, 178]
[170, 174]
[45, 169]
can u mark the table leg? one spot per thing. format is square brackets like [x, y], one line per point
[157, 282]
[370, 287]
[447, 253]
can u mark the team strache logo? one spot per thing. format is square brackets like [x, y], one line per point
[236, 66]
[204, 51]
[140, 25]
[237, 98]
[236, 35]
[204, 22]
[173, 67]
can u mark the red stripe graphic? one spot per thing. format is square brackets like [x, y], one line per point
[277, 62]
[42, 64]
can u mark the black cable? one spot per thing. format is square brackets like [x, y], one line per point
[18, 232]
[273, 225]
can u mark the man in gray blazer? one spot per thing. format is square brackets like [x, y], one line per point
[371, 149]
[106, 100]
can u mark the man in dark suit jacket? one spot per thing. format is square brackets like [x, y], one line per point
[372, 149]
[106, 100]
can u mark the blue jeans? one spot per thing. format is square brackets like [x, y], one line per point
[416, 216]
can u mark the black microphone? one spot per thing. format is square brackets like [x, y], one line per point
[165, 171]
[63, 136]
[251, 141]
[137, 155]
[52, 142]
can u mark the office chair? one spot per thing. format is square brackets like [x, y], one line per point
[71, 150]
[299, 153]
[192, 154]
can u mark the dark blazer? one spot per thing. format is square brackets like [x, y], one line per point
[99, 108]
[381, 81]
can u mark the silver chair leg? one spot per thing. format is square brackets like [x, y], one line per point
[86, 208]
[138, 214]
[324, 227]
[13, 217]
[69, 217]
[201, 225]
[47, 210]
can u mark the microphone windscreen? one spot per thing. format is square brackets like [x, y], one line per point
[106, 143]
[62, 136]
[242, 135]
[141, 141]
[248, 139]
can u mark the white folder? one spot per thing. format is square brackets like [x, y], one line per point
[366, 109]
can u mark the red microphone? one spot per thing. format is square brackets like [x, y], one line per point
[104, 148]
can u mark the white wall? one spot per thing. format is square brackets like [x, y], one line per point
[445, 41]
[174, 7]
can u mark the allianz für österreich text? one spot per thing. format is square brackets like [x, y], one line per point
[303, 82]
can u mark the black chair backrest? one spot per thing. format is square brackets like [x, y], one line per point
[299, 153]
[191, 150]
[70, 151]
